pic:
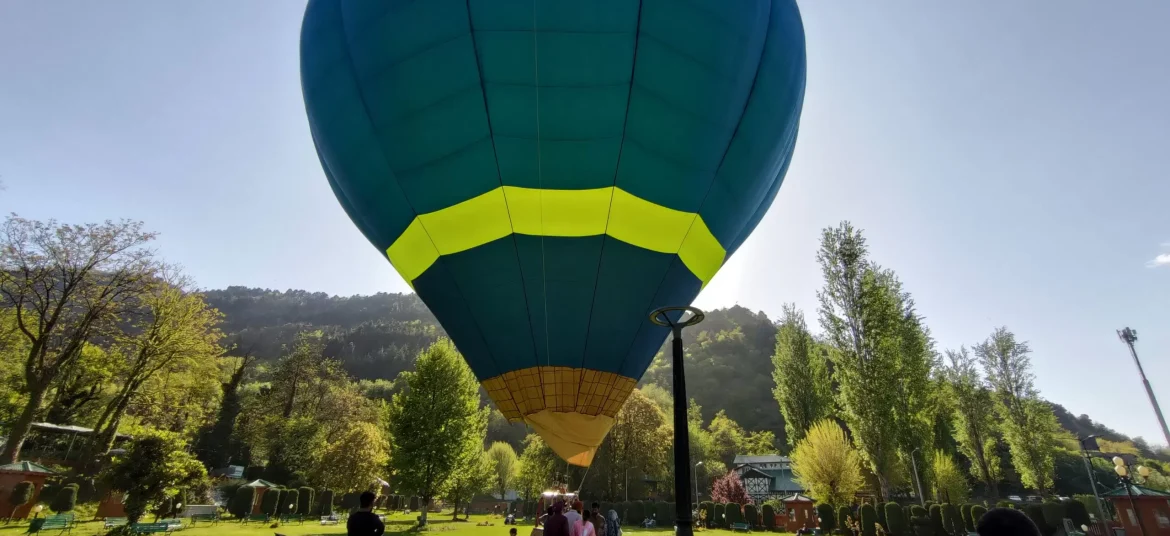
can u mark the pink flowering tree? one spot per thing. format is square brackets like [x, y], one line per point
[729, 489]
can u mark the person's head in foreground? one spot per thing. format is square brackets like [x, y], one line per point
[1006, 522]
[512, 531]
[366, 501]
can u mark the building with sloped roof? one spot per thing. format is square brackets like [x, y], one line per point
[766, 477]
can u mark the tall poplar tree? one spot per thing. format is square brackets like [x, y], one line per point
[974, 416]
[799, 371]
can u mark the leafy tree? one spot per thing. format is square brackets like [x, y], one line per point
[65, 285]
[353, 460]
[65, 500]
[503, 462]
[218, 444]
[638, 442]
[860, 318]
[242, 501]
[473, 474]
[949, 483]
[536, 467]
[155, 468]
[1028, 425]
[172, 326]
[510, 433]
[801, 376]
[433, 420]
[974, 417]
[79, 388]
[729, 489]
[826, 465]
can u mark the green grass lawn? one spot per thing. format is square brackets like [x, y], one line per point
[439, 524]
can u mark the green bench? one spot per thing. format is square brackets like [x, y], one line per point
[112, 522]
[210, 518]
[61, 522]
[258, 518]
[151, 528]
[735, 527]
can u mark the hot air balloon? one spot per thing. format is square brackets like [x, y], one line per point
[544, 173]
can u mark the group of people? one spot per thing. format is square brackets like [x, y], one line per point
[570, 520]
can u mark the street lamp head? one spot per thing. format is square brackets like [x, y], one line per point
[1120, 470]
[700, 463]
[1118, 461]
[1144, 471]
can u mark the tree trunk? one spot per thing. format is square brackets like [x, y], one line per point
[455, 510]
[20, 429]
[107, 429]
[426, 501]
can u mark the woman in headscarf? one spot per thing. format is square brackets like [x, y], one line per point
[613, 525]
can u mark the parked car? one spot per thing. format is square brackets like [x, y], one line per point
[1034, 498]
[1015, 498]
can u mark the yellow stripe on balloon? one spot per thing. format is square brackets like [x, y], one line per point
[560, 213]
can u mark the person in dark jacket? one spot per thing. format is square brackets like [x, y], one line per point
[556, 524]
[363, 521]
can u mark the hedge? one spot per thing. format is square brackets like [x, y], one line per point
[720, 520]
[826, 518]
[965, 511]
[881, 516]
[868, 520]
[734, 513]
[843, 514]
[413, 503]
[65, 500]
[241, 504]
[1036, 514]
[637, 512]
[936, 520]
[977, 512]
[751, 515]
[21, 494]
[325, 502]
[253, 472]
[952, 522]
[896, 519]
[708, 508]
[1053, 515]
[1005, 504]
[770, 517]
[1076, 511]
[289, 497]
[269, 501]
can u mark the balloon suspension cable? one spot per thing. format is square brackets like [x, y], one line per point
[540, 184]
[583, 477]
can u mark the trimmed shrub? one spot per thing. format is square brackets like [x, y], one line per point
[241, 504]
[927, 505]
[305, 501]
[325, 502]
[881, 516]
[843, 514]
[719, 520]
[896, 520]
[637, 512]
[977, 512]
[734, 513]
[952, 522]
[751, 515]
[413, 503]
[868, 520]
[65, 499]
[965, 512]
[708, 508]
[1076, 511]
[623, 508]
[922, 525]
[289, 497]
[349, 501]
[665, 513]
[826, 517]
[1036, 513]
[21, 494]
[918, 511]
[269, 501]
[936, 520]
[1005, 504]
[769, 515]
[1089, 501]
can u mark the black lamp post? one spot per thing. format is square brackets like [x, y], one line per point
[1127, 481]
[686, 316]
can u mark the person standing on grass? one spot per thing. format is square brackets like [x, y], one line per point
[598, 519]
[556, 524]
[363, 521]
[574, 518]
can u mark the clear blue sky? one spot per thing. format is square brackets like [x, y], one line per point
[1007, 159]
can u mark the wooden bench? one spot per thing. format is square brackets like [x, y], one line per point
[62, 522]
[211, 518]
[735, 527]
[151, 528]
[112, 522]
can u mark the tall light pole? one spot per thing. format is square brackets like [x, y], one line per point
[917, 483]
[1088, 444]
[1129, 336]
[697, 498]
[677, 318]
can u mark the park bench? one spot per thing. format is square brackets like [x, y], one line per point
[210, 518]
[61, 522]
[174, 522]
[258, 518]
[112, 522]
[330, 520]
[288, 518]
[735, 527]
[151, 528]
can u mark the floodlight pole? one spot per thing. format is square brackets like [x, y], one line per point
[1129, 336]
[686, 316]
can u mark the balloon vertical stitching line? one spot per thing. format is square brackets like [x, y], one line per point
[540, 186]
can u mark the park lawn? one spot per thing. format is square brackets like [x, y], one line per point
[439, 524]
